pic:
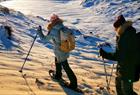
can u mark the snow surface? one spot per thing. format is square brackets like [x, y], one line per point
[91, 22]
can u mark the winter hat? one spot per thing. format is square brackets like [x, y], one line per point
[54, 17]
[120, 21]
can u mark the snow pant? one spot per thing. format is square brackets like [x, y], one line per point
[124, 87]
[68, 70]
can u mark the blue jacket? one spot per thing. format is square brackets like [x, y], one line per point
[54, 38]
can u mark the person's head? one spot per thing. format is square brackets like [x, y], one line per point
[120, 21]
[54, 17]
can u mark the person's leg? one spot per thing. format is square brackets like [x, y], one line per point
[58, 74]
[118, 86]
[124, 87]
[127, 88]
[70, 74]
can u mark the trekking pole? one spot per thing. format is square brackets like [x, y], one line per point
[111, 75]
[107, 82]
[105, 71]
[29, 51]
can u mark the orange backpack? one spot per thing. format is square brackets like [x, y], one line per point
[67, 39]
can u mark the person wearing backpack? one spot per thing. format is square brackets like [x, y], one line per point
[54, 28]
[125, 55]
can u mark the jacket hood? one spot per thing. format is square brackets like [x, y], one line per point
[122, 28]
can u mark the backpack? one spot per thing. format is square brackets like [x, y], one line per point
[67, 39]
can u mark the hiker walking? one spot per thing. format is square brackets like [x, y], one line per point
[125, 55]
[54, 28]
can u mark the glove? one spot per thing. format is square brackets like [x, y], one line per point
[40, 32]
[39, 29]
[102, 52]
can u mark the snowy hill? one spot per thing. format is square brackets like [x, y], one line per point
[91, 23]
[129, 8]
[112, 8]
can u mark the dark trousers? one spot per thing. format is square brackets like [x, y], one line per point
[68, 70]
[124, 87]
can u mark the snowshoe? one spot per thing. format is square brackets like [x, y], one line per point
[63, 82]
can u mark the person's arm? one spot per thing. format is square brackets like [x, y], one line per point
[42, 36]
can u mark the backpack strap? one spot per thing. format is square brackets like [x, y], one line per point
[60, 32]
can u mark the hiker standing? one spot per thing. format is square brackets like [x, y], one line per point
[54, 28]
[125, 55]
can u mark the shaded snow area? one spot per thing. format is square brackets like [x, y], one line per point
[91, 22]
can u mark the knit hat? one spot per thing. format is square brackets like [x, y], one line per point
[120, 21]
[54, 17]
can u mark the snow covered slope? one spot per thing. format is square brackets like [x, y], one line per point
[112, 8]
[91, 25]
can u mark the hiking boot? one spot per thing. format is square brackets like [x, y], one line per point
[56, 77]
[53, 75]
[71, 86]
